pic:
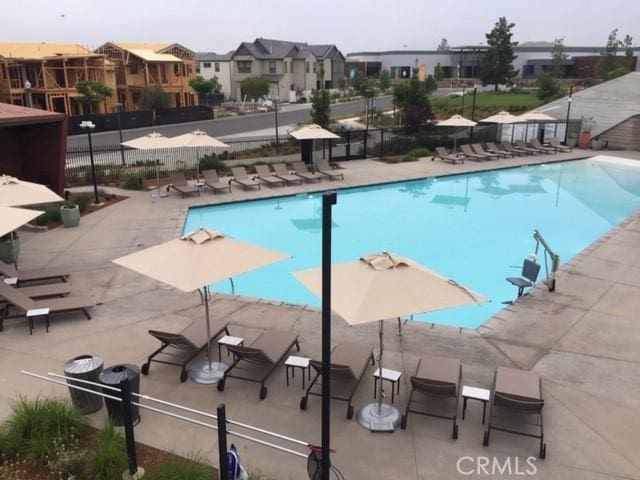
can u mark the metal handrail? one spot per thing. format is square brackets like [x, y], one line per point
[555, 259]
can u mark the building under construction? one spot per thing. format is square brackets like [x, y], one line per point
[139, 65]
[45, 75]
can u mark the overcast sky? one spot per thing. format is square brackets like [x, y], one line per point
[353, 25]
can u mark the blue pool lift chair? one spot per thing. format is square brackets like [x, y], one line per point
[529, 275]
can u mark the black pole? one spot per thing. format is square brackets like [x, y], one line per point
[328, 200]
[223, 471]
[566, 127]
[120, 134]
[93, 167]
[277, 137]
[127, 418]
[462, 106]
[473, 108]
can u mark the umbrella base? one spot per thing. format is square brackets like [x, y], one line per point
[202, 372]
[159, 194]
[386, 421]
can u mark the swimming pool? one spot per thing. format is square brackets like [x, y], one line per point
[473, 228]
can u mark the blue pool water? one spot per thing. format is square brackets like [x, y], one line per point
[472, 228]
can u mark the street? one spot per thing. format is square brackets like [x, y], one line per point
[288, 115]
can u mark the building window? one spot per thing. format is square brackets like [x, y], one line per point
[272, 67]
[244, 66]
[197, 68]
[216, 67]
[133, 68]
[286, 67]
[206, 65]
[315, 67]
[307, 67]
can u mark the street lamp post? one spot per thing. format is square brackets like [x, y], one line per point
[566, 127]
[118, 107]
[88, 126]
[462, 106]
[473, 108]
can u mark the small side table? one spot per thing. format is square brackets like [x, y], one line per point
[294, 362]
[475, 393]
[392, 376]
[228, 340]
[199, 185]
[38, 312]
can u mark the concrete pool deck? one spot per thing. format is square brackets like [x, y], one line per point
[584, 340]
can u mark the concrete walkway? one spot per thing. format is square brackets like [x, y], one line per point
[584, 340]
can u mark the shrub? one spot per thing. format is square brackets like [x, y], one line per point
[133, 182]
[419, 152]
[109, 459]
[68, 461]
[51, 214]
[177, 468]
[83, 200]
[213, 162]
[36, 425]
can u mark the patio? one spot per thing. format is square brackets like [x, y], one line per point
[590, 371]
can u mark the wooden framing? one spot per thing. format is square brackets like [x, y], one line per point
[53, 71]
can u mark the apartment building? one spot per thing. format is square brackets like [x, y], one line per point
[210, 64]
[44, 75]
[139, 65]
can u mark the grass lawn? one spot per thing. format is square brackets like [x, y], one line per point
[486, 104]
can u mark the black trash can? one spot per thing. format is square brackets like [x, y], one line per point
[85, 367]
[112, 377]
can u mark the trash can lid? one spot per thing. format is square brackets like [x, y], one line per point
[83, 364]
[116, 373]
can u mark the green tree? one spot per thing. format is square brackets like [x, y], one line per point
[412, 100]
[627, 43]
[430, 84]
[321, 107]
[443, 46]
[438, 72]
[343, 84]
[152, 98]
[92, 92]
[608, 61]
[548, 87]
[204, 87]
[558, 58]
[255, 87]
[385, 80]
[496, 66]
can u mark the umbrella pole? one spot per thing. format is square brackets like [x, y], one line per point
[381, 335]
[206, 313]
[206, 371]
[13, 250]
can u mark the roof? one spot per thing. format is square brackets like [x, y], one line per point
[41, 50]
[18, 115]
[267, 49]
[609, 103]
[142, 46]
[524, 47]
[151, 56]
[213, 57]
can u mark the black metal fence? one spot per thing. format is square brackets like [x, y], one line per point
[115, 164]
[105, 122]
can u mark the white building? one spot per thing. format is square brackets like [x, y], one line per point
[209, 65]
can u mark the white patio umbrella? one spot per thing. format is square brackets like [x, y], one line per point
[13, 218]
[151, 141]
[501, 117]
[14, 192]
[311, 133]
[198, 139]
[195, 261]
[536, 116]
[383, 286]
[457, 121]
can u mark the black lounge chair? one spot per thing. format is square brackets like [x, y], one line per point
[519, 392]
[523, 146]
[265, 353]
[264, 174]
[508, 147]
[468, 153]
[477, 148]
[282, 172]
[438, 377]
[493, 148]
[212, 181]
[241, 177]
[443, 154]
[187, 344]
[349, 362]
[301, 170]
[528, 277]
[324, 168]
[179, 184]
[36, 275]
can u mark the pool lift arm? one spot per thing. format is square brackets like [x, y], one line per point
[555, 260]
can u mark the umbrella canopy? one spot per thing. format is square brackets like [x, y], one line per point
[198, 138]
[14, 192]
[198, 259]
[457, 121]
[536, 116]
[313, 132]
[501, 117]
[12, 218]
[385, 285]
[151, 141]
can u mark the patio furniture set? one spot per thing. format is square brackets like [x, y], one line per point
[493, 151]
